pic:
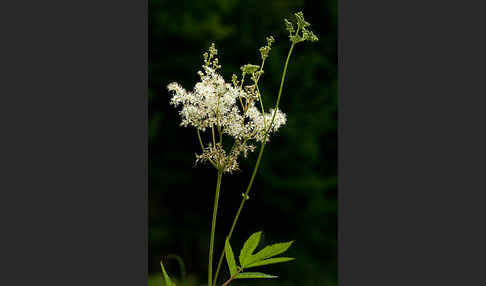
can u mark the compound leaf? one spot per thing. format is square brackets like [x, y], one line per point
[248, 248]
[269, 251]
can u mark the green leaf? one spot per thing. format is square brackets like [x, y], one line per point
[167, 280]
[249, 246]
[270, 261]
[230, 257]
[269, 251]
[246, 275]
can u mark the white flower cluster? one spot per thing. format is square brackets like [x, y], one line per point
[228, 108]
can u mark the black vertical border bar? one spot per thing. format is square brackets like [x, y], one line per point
[411, 143]
[73, 190]
[340, 128]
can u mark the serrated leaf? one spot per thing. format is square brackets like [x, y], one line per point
[270, 261]
[230, 257]
[246, 275]
[167, 280]
[250, 245]
[269, 251]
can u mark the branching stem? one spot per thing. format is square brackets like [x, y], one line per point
[202, 147]
[231, 278]
[257, 165]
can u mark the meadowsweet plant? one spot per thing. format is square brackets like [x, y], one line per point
[234, 112]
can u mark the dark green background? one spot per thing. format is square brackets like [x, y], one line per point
[295, 193]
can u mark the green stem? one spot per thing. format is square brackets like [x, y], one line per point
[261, 105]
[199, 138]
[202, 148]
[241, 85]
[231, 278]
[213, 227]
[257, 165]
[214, 140]
[281, 88]
[260, 154]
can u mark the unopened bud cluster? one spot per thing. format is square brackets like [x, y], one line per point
[302, 33]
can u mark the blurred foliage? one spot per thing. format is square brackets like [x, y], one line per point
[295, 193]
